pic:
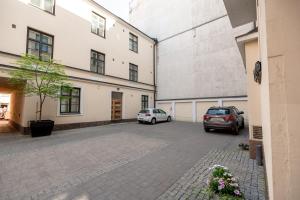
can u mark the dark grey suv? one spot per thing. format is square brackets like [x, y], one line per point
[224, 118]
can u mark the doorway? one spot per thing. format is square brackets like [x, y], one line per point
[5, 126]
[116, 106]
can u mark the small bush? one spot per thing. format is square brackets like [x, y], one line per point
[223, 184]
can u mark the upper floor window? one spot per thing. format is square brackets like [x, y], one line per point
[46, 5]
[97, 62]
[133, 42]
[40, 44]
[98, 25]
[133, 72]
[145, 102]
[70, 101]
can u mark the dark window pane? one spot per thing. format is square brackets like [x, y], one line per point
[75, 108]
[34, 35]
[70, 102]
[218, 111]
[97, 62]
[75, 92]
[40, 45]
[133, 42]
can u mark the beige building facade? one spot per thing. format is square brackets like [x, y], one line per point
[108, 61]
[276, 99]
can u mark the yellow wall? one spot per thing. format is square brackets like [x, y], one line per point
[95, 105]
[184, 112]
[252, 56]
[280, 99]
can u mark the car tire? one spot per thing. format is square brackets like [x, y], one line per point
[169, 119]
[140, 122]
[206, 129]
[153, 121]
[243, 125]
[236, 130]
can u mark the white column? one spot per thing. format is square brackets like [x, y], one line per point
[220, 102]
[173, 110]
[194, 111]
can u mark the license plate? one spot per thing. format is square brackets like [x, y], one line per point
[217, 119]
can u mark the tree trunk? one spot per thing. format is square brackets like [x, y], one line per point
[41, 109]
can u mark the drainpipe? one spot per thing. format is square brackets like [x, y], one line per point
[154, 69]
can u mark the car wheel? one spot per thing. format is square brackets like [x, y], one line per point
[169, 119]
[206, 129]
[243, 125]
[140, 122]
[236, 130]
[153, 121]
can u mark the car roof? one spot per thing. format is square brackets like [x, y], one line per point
[221, 107]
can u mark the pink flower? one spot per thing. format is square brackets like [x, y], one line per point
[220, 187]
[237, 192]
[221, 181]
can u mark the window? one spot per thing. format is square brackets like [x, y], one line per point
[162, 112]
[46, 5]
[155, 111]
[144, 102]
[98, 25]
[70, 101]
[133, 42]
[133, 72]
[40, 44]
[97, 62]
[218, 111]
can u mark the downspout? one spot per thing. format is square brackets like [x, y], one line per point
[154, 70]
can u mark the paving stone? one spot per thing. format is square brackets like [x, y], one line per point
[250, 180]
[124, 162]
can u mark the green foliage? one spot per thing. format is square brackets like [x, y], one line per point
[39, 78]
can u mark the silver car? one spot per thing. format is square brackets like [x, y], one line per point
[153, 115]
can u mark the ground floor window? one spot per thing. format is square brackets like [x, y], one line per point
[70, 101]
[145, 102]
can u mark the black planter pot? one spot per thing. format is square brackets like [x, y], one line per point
[41, 128]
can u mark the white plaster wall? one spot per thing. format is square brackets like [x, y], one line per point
[202, 62]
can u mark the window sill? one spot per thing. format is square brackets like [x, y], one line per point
[51, 13]
[137, 52]
[69, 115]
[104, 37]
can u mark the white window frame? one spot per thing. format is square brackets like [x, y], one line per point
[98, 24]
[42, 6]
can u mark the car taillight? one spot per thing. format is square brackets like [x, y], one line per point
[205, 117]
[229, 118]
[148, 115]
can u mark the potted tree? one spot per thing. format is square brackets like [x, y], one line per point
[43, 79]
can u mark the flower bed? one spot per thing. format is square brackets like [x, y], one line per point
[222, 184]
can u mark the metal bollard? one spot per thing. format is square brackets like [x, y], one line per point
[259, 155]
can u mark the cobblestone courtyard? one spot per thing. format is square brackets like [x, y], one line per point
[125, 161]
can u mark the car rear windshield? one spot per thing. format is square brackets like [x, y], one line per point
[144, 111]
[218, 111]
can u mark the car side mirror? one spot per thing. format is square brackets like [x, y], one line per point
[241, 112]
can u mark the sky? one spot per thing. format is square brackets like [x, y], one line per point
[118, 7]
